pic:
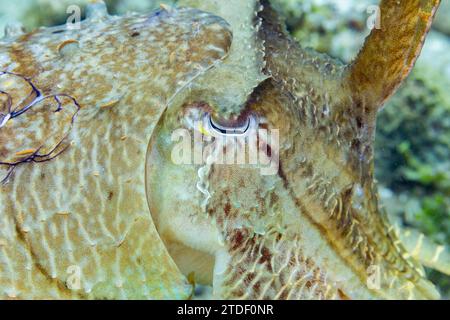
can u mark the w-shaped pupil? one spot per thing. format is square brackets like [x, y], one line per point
[230, 130]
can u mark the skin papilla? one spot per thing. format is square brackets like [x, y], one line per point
[110, 215]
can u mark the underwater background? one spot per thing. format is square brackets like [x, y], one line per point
[413, 133]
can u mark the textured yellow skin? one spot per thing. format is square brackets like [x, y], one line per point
[112, 202]
[88, 206]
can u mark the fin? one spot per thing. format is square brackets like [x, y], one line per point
[390, 52]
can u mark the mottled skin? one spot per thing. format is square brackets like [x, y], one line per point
[111, 201]
[88, 207]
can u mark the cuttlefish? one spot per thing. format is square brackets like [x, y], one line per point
[115, 145]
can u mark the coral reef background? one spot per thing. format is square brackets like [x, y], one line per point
[413, 134]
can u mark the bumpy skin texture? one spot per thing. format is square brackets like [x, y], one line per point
[87, 207]
[315, 229]
[98, 189]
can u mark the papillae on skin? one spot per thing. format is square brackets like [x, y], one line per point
[89, 188]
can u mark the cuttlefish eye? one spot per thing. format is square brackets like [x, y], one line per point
[177, 192]
[200, 116]
[239, 128]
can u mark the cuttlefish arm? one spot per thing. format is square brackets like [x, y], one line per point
[390, 51]
[386, 59]
[78, 225]
[363, 86]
